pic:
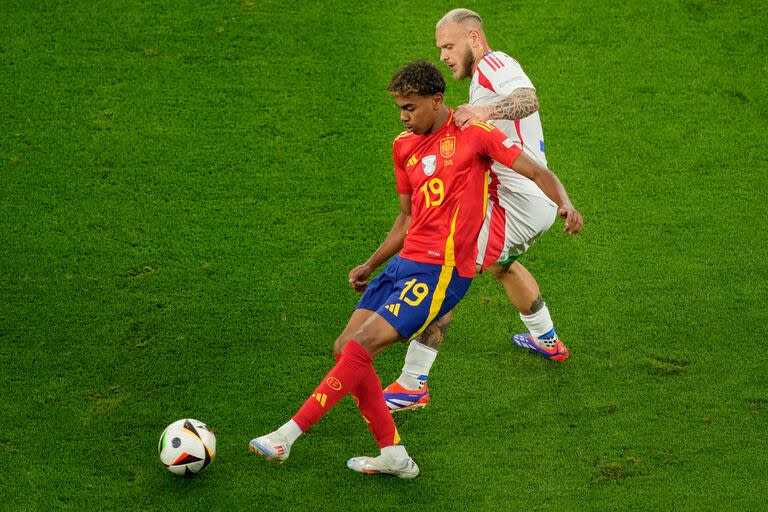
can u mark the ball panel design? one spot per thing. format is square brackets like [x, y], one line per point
[187, 446]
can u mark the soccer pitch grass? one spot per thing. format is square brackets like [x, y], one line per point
[185, 188]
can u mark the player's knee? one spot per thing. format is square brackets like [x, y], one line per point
[515, 269]
[360, 336]
[498, 271]
[339, 344]
[367, 339]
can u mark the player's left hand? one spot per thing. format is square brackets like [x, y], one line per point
[466, 114]
[358, 277]
[574, 222]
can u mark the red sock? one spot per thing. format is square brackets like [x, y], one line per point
[369, 398]
[341, 380]
[374, 408]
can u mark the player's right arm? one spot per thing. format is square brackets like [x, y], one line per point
[359, 275]
[521, 103]
[515, 96]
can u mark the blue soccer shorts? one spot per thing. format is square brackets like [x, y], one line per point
[411, 295]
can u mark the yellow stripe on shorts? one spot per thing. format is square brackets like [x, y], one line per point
[445, 276]
[437, 298]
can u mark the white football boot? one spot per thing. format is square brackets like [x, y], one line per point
[404, 468]
[273, 447]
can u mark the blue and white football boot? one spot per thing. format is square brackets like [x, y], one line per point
[273, 447]
[550, 347]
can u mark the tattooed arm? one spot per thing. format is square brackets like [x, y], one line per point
[521, 103]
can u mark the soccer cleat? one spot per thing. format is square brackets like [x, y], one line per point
[404, 469]
[271, 446]
[551, 348]
[399, 398]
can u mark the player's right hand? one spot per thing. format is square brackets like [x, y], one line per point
[465, 115]
[358, 277]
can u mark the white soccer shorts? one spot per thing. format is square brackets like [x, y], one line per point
[512, 225]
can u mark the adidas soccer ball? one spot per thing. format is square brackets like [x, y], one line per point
[187, 446]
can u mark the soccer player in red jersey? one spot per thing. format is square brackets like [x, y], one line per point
[441, 175]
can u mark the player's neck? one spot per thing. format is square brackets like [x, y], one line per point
[441, 118]
[484, 50]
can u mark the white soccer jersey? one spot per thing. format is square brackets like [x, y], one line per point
[495, 77]
[518, 211]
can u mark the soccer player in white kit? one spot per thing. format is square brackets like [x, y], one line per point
[518, 211]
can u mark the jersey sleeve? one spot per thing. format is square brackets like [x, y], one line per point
[402, 183]
[493, 143]
[505, 74]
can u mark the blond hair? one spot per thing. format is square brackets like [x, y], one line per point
[461, 16]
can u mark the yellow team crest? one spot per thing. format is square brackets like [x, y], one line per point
[447, 147]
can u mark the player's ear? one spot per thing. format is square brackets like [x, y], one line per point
[474, 38]
[437, 100]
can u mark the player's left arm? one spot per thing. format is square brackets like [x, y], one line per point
[521, 103]
[551, 185]
[494, 144]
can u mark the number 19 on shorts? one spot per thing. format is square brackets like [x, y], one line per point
[414, 292]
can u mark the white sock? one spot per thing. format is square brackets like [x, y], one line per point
[395, 453]
[538, 323]
[290, 431]
[418, 361]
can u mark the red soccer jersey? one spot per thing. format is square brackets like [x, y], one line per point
[445, 173]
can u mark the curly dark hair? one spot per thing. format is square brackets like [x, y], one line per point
[420, 77]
